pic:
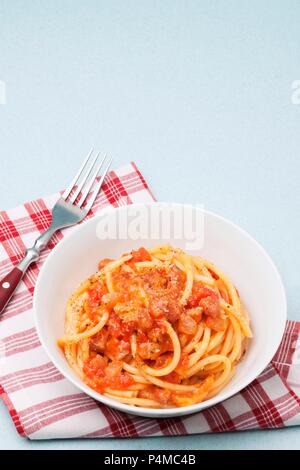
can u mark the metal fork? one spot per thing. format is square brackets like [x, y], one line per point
[71, 208]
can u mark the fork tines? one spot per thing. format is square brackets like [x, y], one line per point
[85, 180]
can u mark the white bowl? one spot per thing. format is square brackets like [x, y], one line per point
[225, 244]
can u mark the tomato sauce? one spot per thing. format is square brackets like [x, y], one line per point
[100, 376]
[130, 316]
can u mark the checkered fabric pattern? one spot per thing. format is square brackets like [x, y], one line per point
[44, 405]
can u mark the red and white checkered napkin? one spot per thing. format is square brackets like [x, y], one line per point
[44, 405]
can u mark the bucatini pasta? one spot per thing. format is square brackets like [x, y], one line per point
[156, 328]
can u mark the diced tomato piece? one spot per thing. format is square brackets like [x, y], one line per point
[162, 360]
[157, 333]
[94, 366]
[173, 377]
[147, 392]
[120, 329]
[99, 375]
[145, 321]
[155, 343]
[113, 369]
[174, 310]
[216, 324]
[211, 306]
[149, 350]
[195, 313]
[157, 308]
[104, 262]
[162, 395]
[98, 362]
[199, 292]
[140, 255]
[98, 341]
[127, 328]
[117, 348]
[115, 325]
[176, 279]
[187, 325]
[95, 294]
[125, 380]
[141, 337]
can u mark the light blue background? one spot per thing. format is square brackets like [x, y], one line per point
[197, 93]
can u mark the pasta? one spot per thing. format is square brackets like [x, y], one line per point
[156, 328]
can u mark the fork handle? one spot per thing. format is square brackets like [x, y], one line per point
[8, 286]
[11, 281]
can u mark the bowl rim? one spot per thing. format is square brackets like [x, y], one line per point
[162, 412]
